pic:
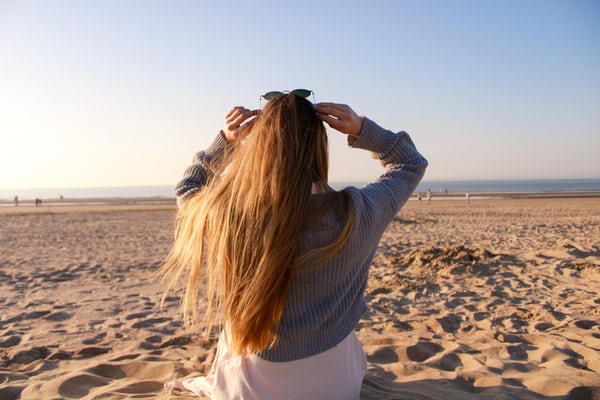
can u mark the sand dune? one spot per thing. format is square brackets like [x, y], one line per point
[492, 299]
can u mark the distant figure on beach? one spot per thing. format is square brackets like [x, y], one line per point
[468, 197]
[16, 201]
[428, 194]
[38, 202]
[284, 257]
[420, 196]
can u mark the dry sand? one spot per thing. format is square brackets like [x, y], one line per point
[494, 299]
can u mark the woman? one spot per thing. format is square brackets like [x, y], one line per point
[285, 258]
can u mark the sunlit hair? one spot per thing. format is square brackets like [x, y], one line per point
[240, 234]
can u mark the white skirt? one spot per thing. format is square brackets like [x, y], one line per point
[334, 374]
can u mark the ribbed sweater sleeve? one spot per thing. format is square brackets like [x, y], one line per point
[379, 201]
[202, 168]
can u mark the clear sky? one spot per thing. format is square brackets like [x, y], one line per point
[122, 93]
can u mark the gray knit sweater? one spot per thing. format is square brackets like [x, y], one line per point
[325, 303]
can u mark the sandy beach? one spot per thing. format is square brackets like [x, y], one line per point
[491, 299]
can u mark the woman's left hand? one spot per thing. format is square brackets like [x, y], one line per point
[238, 122]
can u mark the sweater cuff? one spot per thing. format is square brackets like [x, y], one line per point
[215, 151]
[372, 137]
[218, 145]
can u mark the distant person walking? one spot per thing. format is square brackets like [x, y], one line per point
[428, 194]
[16, 201]
[285, 257]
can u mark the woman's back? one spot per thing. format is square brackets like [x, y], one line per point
[325, 302]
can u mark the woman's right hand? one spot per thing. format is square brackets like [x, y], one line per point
[238, 122]
[340, 117]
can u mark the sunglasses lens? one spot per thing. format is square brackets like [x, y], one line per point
[301, 92]
[304, 93]
[271, 95]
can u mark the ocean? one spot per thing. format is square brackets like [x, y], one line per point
[508, 186]
[450, 187]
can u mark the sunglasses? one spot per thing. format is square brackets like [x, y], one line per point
[304, 93]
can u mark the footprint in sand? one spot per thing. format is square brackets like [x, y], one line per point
[384, 355]
[452, 304]
[30, 355]
[59, 316]
[517, 352]
[149, 378]
[60, 355]
[543, 326]
[584, 393]
[152, 386]
[96, 339]
[154, 339]
[481, 315]
[108, 371]
[510, 338]
[178, 341]
[151, 342]
[79, 386]
[11, 392]
[574, 362]
[585, 324]
[148, 323]
[450, 323]
[449, 362]
[423, 350]
[35, 314]
[10, 341]
[126, 357]
[171, 299]
[137, 315]
[93, 351]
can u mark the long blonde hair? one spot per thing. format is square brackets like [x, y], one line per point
[245, 225]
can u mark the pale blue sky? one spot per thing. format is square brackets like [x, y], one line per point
[111, 93]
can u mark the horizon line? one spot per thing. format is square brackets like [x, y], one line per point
[349, 181]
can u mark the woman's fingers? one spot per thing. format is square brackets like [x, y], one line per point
[333, 122]
[337, 110]
[238, 115]
[340, 117]
[238, 121]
